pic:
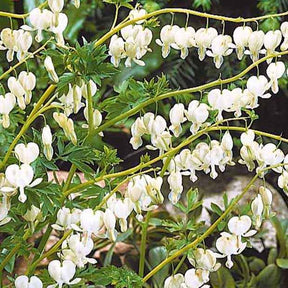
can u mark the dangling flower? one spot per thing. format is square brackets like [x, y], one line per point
[76, 249]
[176, 187]
[7, 103]
[241, 39]
[66, 219]
[122, 209]
[137, 13]
[28, 82]
[204, 259]
[58, 26]
[62, 273]
[239, 226]
[255, 43]
[274, 72]
[240, 99]
[23, 43]
[50, 69]
[116, 50]
[257, 86]
[27, 154]
[271, 40]
[67, 125]
[257, 210]
[24, 282]
[284, 30]
[203, 40]
[174, 281]
[229, 245]
[184, 39]
[197, 113]
[176, 115]
[220, 100]
[220, 47]
[195, 278]
[40, 20]
[21, 177]
[17, 90]
[266, 195]
[167, 38]
[283, 180]
[47, 142]
[110, 222]
[8, 42]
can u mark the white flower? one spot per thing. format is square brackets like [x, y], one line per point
[176, 115]
[204, 259]
[24, 282]
[91, 222]
[47, 142]
[40, 20]
[284, 30]
[17, 90]
[110, 222]
[167, 38]
[257, 210]
[62, 274]
[76, 250]
[197, 113]
[67, 125]
[229, 245]
[56, 5]
[58, 26]
[27, 153]
[274, 72]
[257, 86]
[122, 209]
[220, 47]
[116, 50]
[66, 218]
[283, 180]
[7, 104]
[220, 100]
[176, 187]
[271, 40]
[23, 43]
[32, 214]
[184, 39]
[48, 64]
[255, 43]
[240, 99]
[136, 13]
[195, 278]
[28, 82]
[21, 177]
[8, 42]
[241, 39]
[203, 40]
[266, 195]
[174, 281]
[239, 226]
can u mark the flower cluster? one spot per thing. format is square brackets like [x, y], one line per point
[133, 44]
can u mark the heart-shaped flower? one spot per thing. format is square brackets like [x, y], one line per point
[27, 153]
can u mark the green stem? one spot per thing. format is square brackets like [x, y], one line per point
[143, 244]
[116, 16]
[180, 264]
[185, 11]
[203, 236]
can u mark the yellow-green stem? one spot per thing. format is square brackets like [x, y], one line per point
[90, 109]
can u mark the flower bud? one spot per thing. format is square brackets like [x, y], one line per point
[50, 69]
[32, 214]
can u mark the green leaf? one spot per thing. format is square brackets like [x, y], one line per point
[215, 208]
[156, 256]
[268, 277]
[192, 196]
